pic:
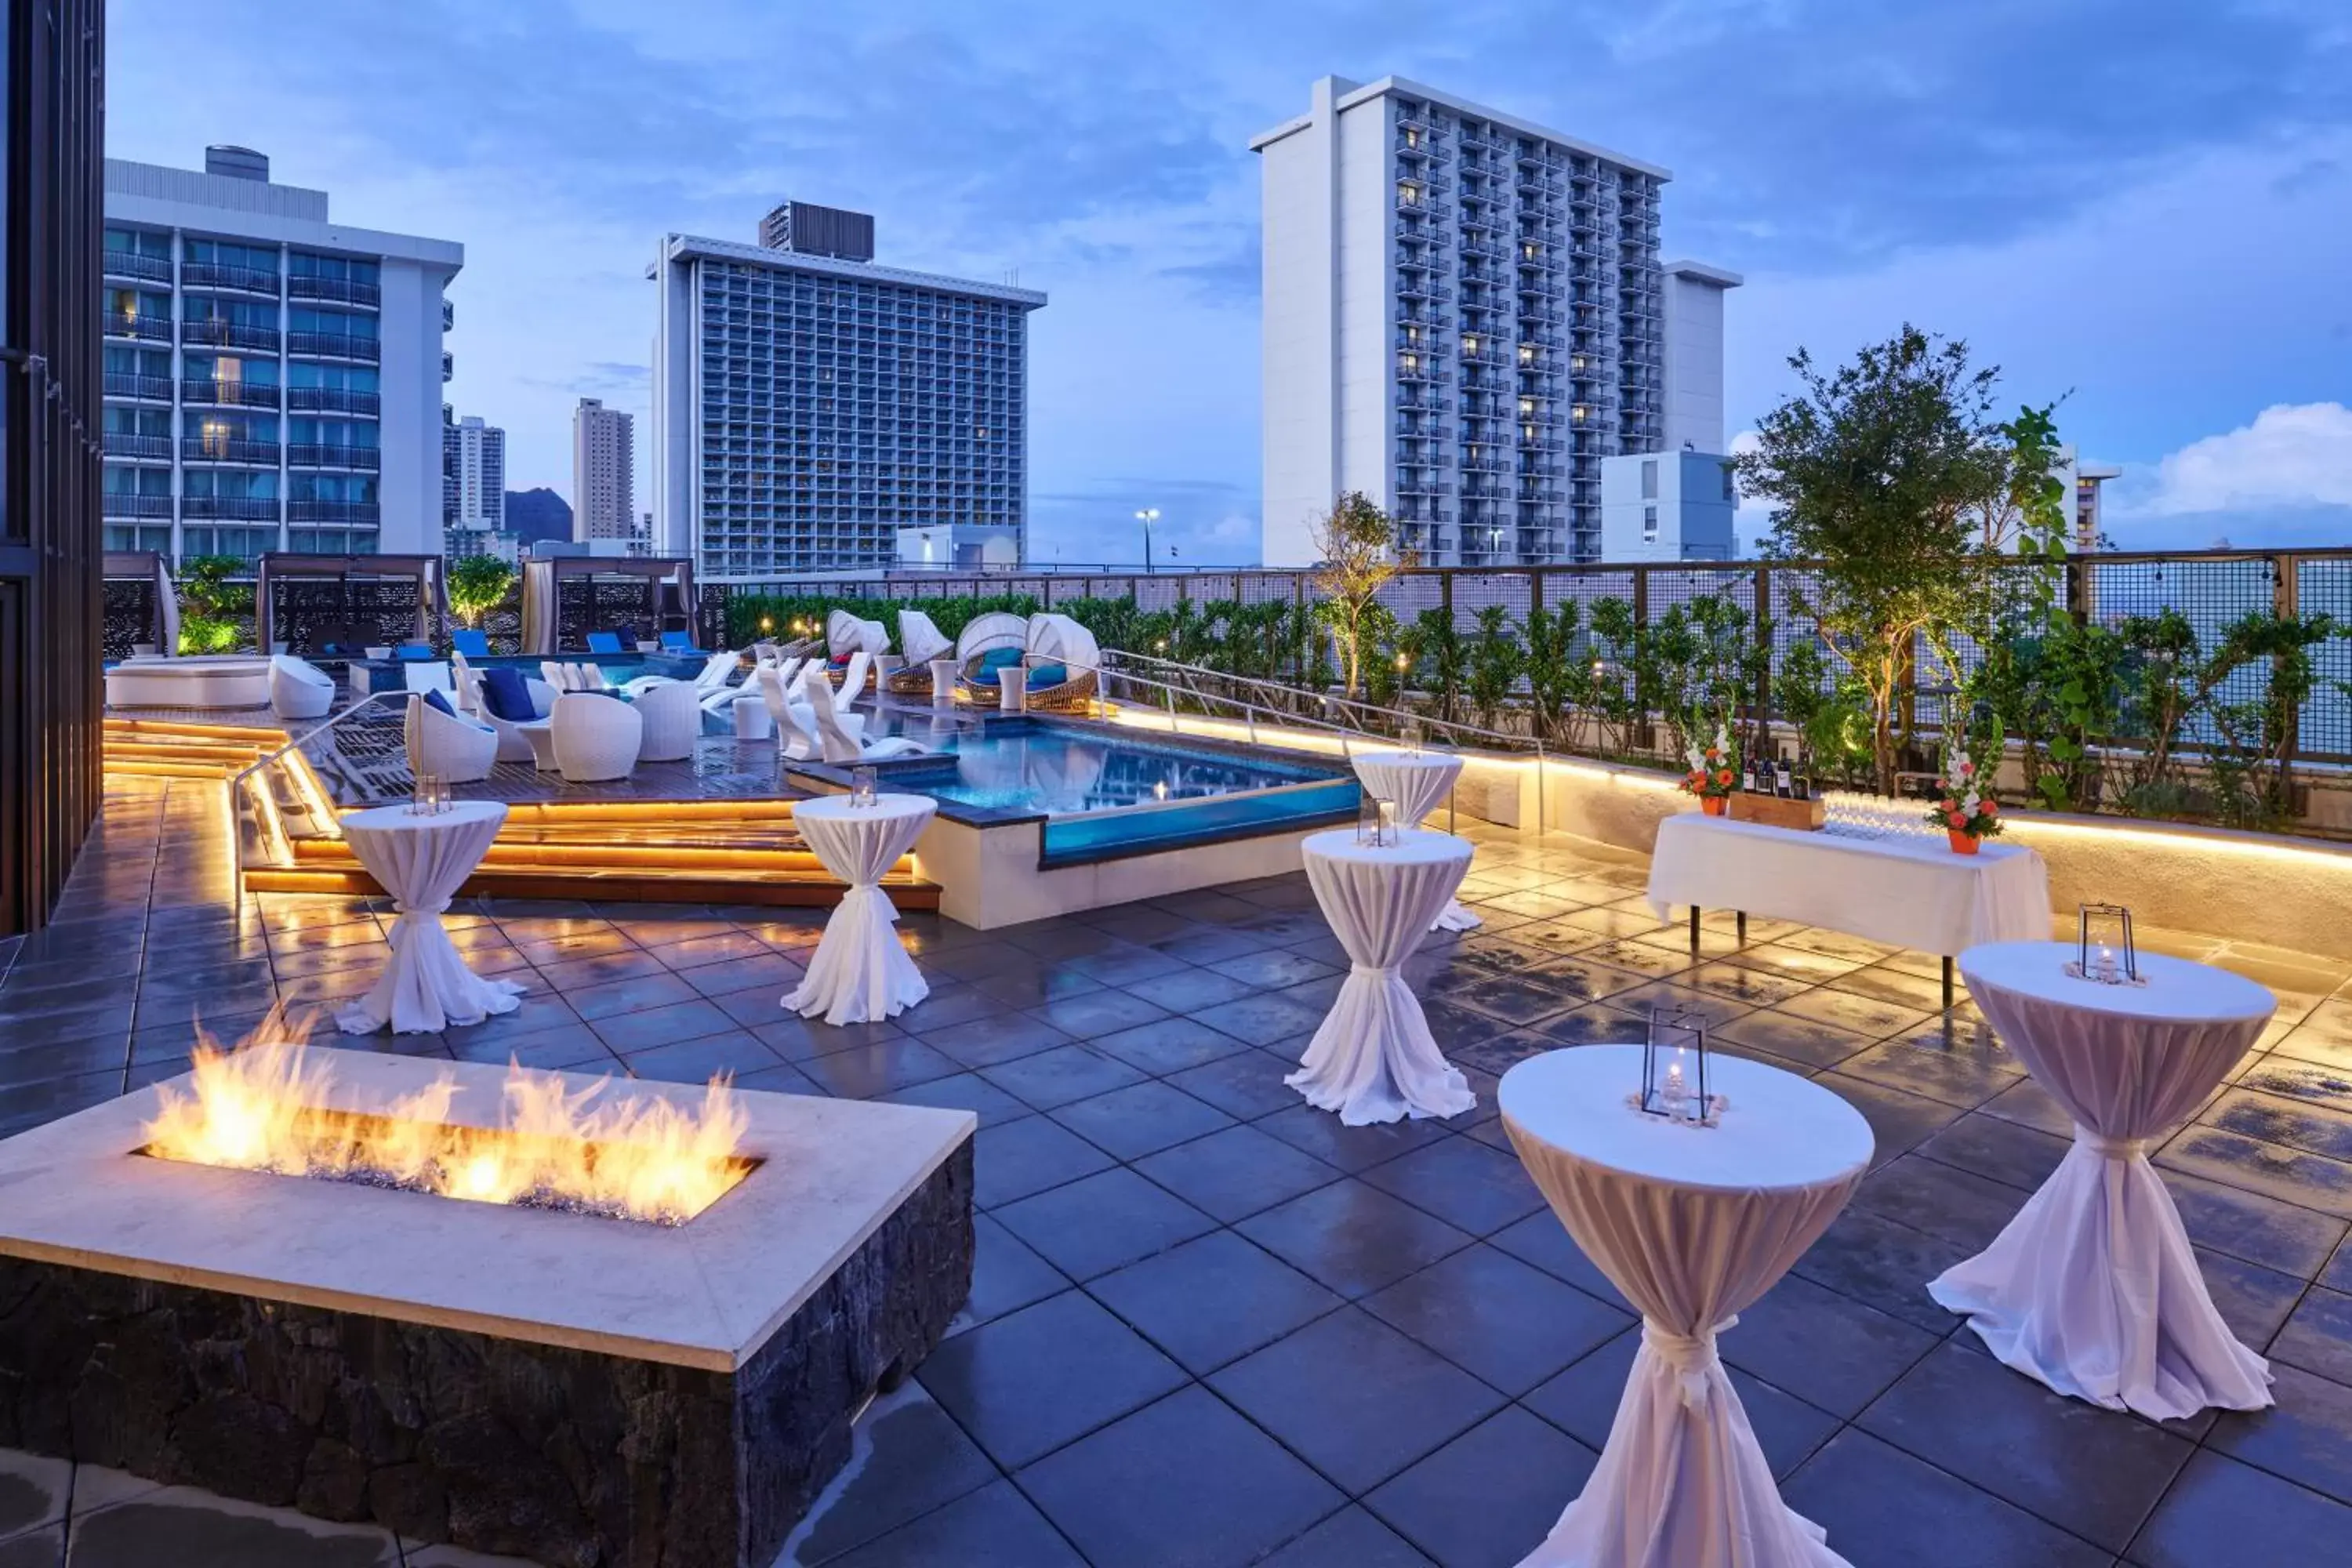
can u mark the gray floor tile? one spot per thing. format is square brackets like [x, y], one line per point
[1509, 1323]
[1027, 1383]
[1212, 1300]
[994, 1527]
[1353, 1238]
[909, 1457]
[2223, 1514]
[2306, 1436]
[1880, 1505]
[1520, 1472]
[1102, 1221]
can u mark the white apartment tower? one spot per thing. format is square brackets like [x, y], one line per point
[273, 378]
[1464, 314]
[603, 472]
[473, 484]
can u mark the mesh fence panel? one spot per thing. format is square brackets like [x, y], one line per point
[1476, 590]
[2324, 587]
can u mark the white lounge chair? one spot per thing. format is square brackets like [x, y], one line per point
[795, 733]
[298, 689]
[591, 677]
[428, 675]
[456, 748]
[595, 738]
[853, 680]
[845, 633]
[555, 675]
[514, 746]
[673, 722]
[839, 746]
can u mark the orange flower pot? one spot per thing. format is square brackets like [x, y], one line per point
[1714, 804]
[1961, 843]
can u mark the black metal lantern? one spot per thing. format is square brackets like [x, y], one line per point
[1673, 1069]
[1376, 822]
[2103, 945]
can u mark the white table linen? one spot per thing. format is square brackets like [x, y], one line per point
[1418, 781]
[2092, 1288]
[1374, 1059]
[1693, 1224]
[860, 974]
[1912, 892]
[422, 861]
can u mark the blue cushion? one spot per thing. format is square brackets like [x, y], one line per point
[1048, 675]
[415, 650]
[998, 658]
[506, 695]
[681, 642]
[473, 645]
[441, 700]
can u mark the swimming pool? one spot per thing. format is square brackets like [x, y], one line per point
[1106, 792]
[385, 674]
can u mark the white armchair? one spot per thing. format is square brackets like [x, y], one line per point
[298, 689]
[514, 746]
[456, 748]
[595, 738]
[673, 721]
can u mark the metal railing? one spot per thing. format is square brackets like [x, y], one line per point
[267, 814]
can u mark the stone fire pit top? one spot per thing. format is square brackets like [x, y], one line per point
[707, 1294]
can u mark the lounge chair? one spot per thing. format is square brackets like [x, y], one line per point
[596, 737]
[605, 642]
[426, 678]
[854, 676]
[673, 723]
[987, 644]
[795, 724]
[921, 641]
[472, 644]
[413, 650]
[846, 634]
[1056, 642]
[679, 642]
[840, 746]
[442, 741]
[298, 689]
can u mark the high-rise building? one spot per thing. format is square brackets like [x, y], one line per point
[1464, 314]
[603, 472]
[809, 404]
[473, 484]
[273, 379]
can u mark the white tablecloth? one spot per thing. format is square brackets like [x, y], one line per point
[1373, 1060]
[422, 861]
[1692, 1224]
[2091, 1288]
[1913, 892]
[1418, 781]
[859, 973]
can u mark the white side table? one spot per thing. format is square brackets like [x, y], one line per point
[860, 974]
[422, 861]
[944, 673]
[753, 720]
[1374, 1059]
[2091, 1288]
[1693, 1223]
[1418, 781]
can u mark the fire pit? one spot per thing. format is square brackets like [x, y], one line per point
[626, 1327]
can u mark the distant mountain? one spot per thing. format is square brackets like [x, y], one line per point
[537, 514]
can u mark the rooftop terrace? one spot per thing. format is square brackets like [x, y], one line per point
[1369, 1345]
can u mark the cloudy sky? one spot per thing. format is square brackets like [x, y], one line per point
[2144, 206]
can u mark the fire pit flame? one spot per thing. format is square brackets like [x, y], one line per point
[262, 1108]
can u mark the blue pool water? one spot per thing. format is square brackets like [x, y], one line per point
[1109, 793]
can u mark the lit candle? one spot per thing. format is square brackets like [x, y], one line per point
[2106, 963]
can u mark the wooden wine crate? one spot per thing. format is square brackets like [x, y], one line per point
[1774, 811]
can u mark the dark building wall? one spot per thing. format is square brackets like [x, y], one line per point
[50, 615]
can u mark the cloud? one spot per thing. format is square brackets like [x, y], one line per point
[2293, 456]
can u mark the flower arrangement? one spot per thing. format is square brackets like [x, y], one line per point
[1962, 810]
[1714, 768]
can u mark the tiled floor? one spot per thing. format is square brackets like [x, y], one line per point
[1211, 1326]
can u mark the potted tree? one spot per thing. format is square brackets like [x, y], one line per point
[478, 584]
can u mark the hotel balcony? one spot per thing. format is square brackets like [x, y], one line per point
[239, 280]
[145, 329]
[336, 455]
[236, 393]
[123, 443]
[338, 290]
[367, 512]
[130, 264]
[229, 450]
[231, 508]
[333, 400]
[145, 388]
[335, 345]
[229, 334]
[115, 503]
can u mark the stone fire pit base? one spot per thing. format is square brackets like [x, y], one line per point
[596, 1453]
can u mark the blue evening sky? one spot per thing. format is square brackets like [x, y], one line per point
[2146, 205]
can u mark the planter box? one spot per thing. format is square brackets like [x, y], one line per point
[1774, 811]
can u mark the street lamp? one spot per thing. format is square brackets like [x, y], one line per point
[1147, 516]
